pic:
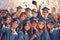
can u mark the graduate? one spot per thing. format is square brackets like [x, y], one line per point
[6, 30]
[25, 33]
[38, 7]
[13, 34]
[19, 10]
[14, 15]
[42, 31]
[33, 24]
[8, 19]
[22, 19]
[53, 32]
[34, 13]
[27, 12]
[44, 15]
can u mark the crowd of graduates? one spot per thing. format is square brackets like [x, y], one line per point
[29, 25]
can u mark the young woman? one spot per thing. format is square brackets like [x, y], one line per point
[53, 32]
[25, 33]
[13, 34]
[43, 30]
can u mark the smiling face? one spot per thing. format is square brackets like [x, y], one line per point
[34, 14]
[15, 24]
[23, 17]
[33, 24]
[8, 20]
[27, 27]
[41, 25]
[50, 25]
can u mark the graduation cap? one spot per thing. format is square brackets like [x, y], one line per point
[42, 21]
[34, 19]
[27, 8]
[16, 19]
[22, 13]
[27, 21]
[34, 10]
[34, 2]
[51, 21]
[19, 8]
[45, 8]
[8, 16]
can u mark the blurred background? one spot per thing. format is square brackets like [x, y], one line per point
[7, 4]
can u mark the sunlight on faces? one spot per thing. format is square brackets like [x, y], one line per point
[33, 24]
[27, 12]
[14, 16]
[23, 17]
[41, 25]
[3, 14]
[56, 16]
[15, 24]
[8, 20]
[27, 27]
[34, 14]
[50, 25]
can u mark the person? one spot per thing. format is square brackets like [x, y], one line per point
[13, 34]
[18, 11]
[42, 31]
[34, 13]
[22, 19]
[24, 34]
[53, 32]
[33, 24]
[14, 16]
[44, 15]
[27, 12]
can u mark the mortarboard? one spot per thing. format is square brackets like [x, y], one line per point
[34, 10]
[27, 8]
[34, 19]
[19, 8]
[45, 8]
[34, 2]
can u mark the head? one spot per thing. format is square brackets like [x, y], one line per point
[23, 16]
[27, 11]
[45, 11]
[8, 20]
[33, 24]
[53, 10]
[3, 14]
[15, 24]
[41, 25]
[19, 9]
[26, 26]
[50, 25]
[14, 15]
[34, 13]
[56, 16]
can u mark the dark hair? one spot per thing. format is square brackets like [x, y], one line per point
[50, 22]
[23, 29]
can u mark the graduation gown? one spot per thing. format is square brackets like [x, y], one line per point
[5, 33]
[54, 35]
[44, 36]
[22, 36]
